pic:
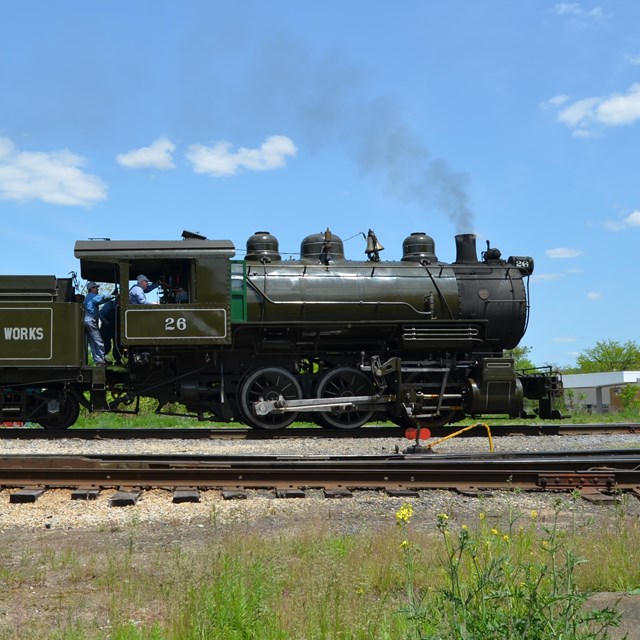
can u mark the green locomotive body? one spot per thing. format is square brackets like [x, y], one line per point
[266, 341]
[42, 349]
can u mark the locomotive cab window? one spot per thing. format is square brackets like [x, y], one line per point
[168, 282]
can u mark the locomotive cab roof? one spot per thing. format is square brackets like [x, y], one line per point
[149, 248]
[97, 255]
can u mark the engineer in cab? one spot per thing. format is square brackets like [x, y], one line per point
[137, 293]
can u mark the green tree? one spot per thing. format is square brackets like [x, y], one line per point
[610, 355]
[628, 397]
[521, 357]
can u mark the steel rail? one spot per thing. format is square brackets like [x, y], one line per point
[591, 470]
[196, 433]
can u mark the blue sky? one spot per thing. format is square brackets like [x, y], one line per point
[517, 121]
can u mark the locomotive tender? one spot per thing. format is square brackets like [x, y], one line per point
[265, 341]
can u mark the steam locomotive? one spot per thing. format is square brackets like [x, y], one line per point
[266, 342]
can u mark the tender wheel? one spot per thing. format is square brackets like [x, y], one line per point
[268, 383]
[67, 414]
[344, 382]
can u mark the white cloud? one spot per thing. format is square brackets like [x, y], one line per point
[588, 115]
[548, 277]
[540, 277]
[54, 177]
[563, 252]
[632, 220]
[594, 295]
[594, 14]
[621, 109]
[158, 155]
[633, 59]
[566, 8]
[219, 160]
[554, 102]
[580, 113]
[576, 13]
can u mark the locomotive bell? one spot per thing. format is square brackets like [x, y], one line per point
[373, 244]
[373, 247]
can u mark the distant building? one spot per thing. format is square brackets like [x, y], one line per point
[597, 392]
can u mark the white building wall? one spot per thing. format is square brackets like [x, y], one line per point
[595, 390]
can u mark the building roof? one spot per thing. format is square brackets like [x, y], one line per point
[605, 379]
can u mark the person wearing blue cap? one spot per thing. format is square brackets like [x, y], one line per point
[92, 302]
[138, 291]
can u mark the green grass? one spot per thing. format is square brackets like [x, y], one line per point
[148, 418]
[522, 578]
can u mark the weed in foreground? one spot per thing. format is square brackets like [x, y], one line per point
[512, 584]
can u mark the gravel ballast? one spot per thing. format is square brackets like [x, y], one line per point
[56, 511]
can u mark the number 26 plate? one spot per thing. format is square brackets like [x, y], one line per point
[175, 324]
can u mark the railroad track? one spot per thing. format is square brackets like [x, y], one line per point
[301, 432]
[597, 475]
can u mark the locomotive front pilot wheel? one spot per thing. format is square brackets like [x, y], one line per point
[268, 384]
[344, 382]
[67, 414]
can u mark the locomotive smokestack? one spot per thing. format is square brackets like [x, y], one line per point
[466, 248]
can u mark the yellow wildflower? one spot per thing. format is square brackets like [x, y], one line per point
[534, 514]
[405, 513]
[495, 532]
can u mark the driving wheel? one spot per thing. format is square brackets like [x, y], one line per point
[268, 384]
[344, 382]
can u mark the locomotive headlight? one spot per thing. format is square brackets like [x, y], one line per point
[523, 263]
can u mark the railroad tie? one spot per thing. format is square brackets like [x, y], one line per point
[290, 493]
[186, 495]
[338, 493]
[234, 494]
[402, 493]
[125, 498]
[26, 495]
[85, 494]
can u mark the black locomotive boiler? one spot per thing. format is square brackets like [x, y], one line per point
[266, 341]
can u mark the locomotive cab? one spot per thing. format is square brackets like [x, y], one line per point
[192, 278]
